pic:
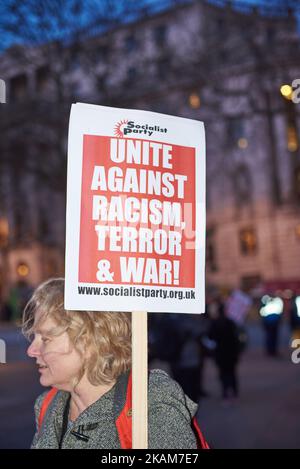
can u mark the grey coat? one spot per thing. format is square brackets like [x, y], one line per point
[169, 419]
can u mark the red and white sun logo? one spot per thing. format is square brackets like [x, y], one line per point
[119, 128]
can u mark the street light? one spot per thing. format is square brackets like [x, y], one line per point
[242, 143]
[23, 269]
[286, 91]
[194, 101]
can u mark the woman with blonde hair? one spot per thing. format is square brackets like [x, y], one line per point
[85, 358]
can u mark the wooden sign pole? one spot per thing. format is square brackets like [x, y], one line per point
[139, 380]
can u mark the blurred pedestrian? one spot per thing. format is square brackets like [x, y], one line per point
[6, 312]
[271, 313]
[187, 369]
[237, 306]
[295, 316]
[224, 333]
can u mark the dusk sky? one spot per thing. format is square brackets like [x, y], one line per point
[57, 25]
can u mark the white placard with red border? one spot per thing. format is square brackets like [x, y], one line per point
[135, 236]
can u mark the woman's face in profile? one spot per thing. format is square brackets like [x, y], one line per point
[58, 362]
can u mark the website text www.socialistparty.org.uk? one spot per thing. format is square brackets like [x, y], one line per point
[138, 292]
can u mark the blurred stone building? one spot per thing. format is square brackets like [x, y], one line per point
[223, 66]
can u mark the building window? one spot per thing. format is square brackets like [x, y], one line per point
[74, 60]
[248, 241]
[130, 43]
[250, 282]
[18, 233]
[163, 68]
[211, 261]
[291, 118]
[297, 183]
[75, 88]
[20, 222]
[236, 132]
[42, 79]
[292, 138]
[223, 55]
[18, 87]
[220, 25]
[44, 227]
[194, 101]
[160, 34]
[242, 185]
[102, 52]
[51, 267]
[270, 35]
[102, 83]
[131, 74]
[4, 232]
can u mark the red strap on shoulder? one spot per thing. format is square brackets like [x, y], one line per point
[201, 440]
[124, 421]
[45, 404]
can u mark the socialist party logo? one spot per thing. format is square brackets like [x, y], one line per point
[126, 127]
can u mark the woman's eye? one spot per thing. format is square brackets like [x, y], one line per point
[45, 339]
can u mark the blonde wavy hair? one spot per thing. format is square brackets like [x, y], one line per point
[106, 336]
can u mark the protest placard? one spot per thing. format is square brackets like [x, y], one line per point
[135, 211]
